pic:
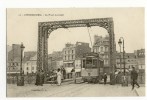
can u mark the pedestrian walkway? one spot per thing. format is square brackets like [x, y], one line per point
[140, 91]
[70, 90]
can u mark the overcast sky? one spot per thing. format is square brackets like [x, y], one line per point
[128, 23]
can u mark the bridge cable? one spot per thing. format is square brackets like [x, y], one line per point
[89, 37]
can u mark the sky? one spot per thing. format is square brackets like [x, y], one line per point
[128, 23]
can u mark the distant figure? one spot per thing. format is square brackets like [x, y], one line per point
[37, 78]
[42, 78]
[116, 78]
[73, 75]
[105, 79]
[134, 76]
[64, 73]
[59, 76]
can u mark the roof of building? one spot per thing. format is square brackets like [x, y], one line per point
[28, 55]
[127, 55]
[56, 55]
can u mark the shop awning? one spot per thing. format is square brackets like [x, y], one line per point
[68, 62]
[68, 69]
[12, 72]
[78, 70]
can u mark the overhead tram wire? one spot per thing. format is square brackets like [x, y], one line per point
[89, 35]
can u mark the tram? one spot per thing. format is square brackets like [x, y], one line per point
[92, 67]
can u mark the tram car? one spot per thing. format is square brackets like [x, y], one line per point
[92, 67]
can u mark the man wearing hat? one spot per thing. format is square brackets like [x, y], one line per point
[134, 76]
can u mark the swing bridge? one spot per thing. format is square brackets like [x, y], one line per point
[46, 28]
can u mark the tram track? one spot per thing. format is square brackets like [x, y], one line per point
[69, 91]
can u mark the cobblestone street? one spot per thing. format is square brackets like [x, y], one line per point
[70, 90]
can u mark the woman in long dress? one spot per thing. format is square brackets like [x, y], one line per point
[59, 77]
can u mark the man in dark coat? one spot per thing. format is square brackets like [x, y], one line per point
[64, 73]
[105, 78]
[42, 78]
[37, 78]
[134, 76]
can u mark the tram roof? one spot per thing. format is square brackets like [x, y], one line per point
[92, 54]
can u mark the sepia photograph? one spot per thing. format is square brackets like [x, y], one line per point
[75, 52]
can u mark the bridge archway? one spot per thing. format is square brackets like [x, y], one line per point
[46, 28]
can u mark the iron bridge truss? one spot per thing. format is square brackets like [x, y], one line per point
[46, 28]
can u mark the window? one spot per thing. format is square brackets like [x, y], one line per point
[65, 52]
[94, 62]
[83, 63]
[32, 68]
[106, 56]
[27, 68]
[95, 50]
[72, 51]
[105, 62]
[135, 56]
[72, 57]
[65, 57]
[68, 51]
[106, 49]
[68, 57]
[88, 62]
[101, 49]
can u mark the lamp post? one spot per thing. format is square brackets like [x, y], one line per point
[22, 48]
[124, 78]
[120, 53]
[20, 79]
[120, 42]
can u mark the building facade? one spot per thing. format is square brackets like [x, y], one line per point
[101, 46]
[136, 59]
[55, 60]
[72, 54]
[13, 59]
[130, 61]
[30, 64]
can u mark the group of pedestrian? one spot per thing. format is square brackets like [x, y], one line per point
[134, 77]
[40, 77]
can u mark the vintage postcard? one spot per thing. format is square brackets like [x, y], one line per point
[75, 52]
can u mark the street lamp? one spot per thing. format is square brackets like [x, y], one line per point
[20, 79]
[124, 78]
[22, 48]
[120, 42]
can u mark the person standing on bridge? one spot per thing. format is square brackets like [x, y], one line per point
[134, 76]
[73, 75]
[42, 78]
[59, 76]
[105, 79]
[37, 78]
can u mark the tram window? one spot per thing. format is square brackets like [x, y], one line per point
[94, 63]
[88, 61]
